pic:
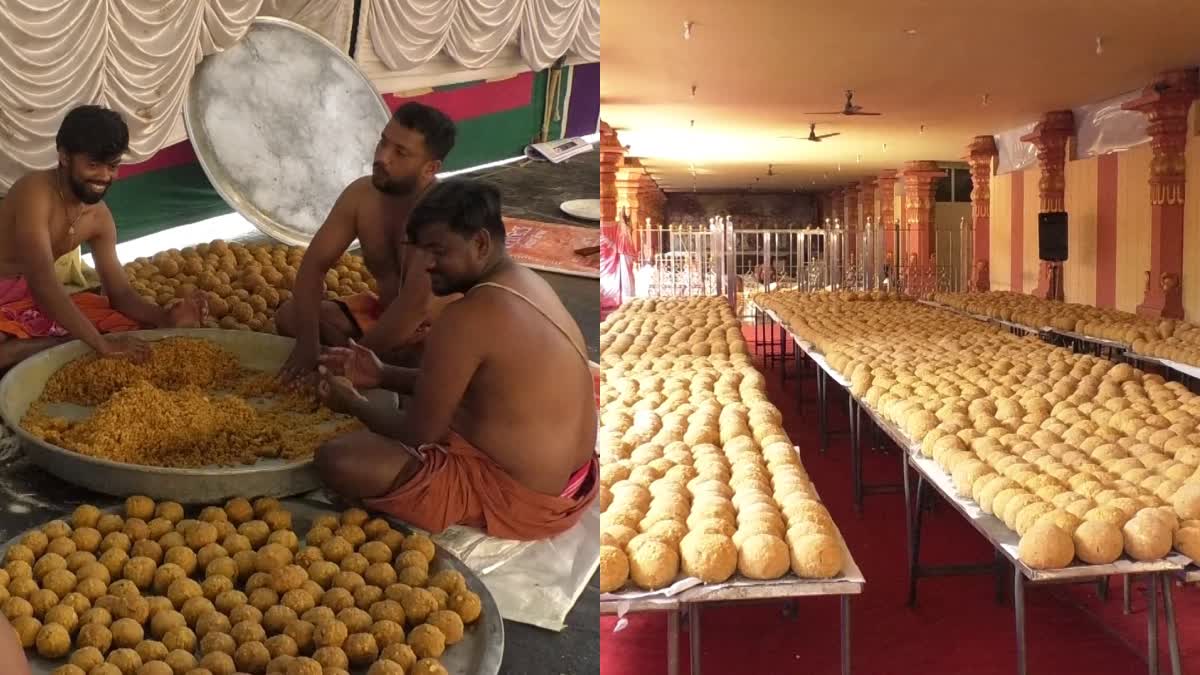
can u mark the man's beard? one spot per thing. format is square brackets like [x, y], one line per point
[84, 192]
[399, 187]
[442, 286]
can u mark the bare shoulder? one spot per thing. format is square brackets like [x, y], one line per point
[356, 193]
[37, 185]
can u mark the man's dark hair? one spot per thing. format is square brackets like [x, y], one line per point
[437, 128]
[466, 206]
[95, 131]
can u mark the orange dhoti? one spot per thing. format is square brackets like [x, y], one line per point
[459, 485]
[20, 316]
[364, 310]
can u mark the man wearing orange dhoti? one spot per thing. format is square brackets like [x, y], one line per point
[500, 430]
[44, 219]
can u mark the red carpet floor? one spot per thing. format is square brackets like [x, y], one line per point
[957, 626]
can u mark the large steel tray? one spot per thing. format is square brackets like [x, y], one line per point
[479, 653]
[282, 122]
[274, 477]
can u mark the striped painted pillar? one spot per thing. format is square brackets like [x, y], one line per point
[980, 156]
[1050, 137]
[1166, 104]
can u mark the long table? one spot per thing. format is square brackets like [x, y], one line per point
[689, 600]
[1002, 539]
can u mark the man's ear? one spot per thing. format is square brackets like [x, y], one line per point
[483, 242]
[433, 167]
[64, 159]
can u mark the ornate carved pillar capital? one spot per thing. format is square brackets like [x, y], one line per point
[920, 178]
[1050, 137]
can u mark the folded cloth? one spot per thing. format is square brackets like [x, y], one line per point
[21, 317]
[74, 274]
[459, 484]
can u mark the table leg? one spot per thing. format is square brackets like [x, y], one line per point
[757, 328]
[1125, 583]
[1019, 610]
[1172, 629]
[673, 642]
[822, 389]
[783, 353]
[845, 635]
[1152, 625]
[855, 413]
[1001, 568]
[1102, 589]
[694, 628]
[914, 552]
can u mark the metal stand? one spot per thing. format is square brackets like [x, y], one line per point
[913, 517]
[673, 643]
[861, 489]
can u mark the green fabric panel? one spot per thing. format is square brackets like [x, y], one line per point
[158, 200]
[496, 136]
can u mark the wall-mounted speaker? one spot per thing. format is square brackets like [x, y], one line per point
[1052, 236]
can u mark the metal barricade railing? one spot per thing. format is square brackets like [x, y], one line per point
[688, 260]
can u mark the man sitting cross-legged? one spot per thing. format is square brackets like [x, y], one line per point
[500, 429]
[47, 215]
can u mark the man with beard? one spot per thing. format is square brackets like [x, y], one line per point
[45, 217]
[374, 210]
[500, 431]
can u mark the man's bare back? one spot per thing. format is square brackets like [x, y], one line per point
[530, 405]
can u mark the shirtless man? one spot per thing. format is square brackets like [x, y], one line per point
[48, 214]
[372, 209]
[500, 432]
[12, 656]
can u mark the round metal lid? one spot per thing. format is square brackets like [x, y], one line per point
[282, 122]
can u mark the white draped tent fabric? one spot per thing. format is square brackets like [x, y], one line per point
[408, 33]
[332, 19]
[134, 56]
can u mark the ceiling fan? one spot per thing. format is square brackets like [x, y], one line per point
[813, 135]
[849, 109]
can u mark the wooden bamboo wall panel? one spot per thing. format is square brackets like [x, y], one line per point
[1133, 226]
[1191, 223]
[1029, 259]
[1000, 233]
[1079, 272]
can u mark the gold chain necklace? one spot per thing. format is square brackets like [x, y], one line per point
[67, 209]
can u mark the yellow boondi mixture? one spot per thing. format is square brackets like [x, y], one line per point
[186, 406]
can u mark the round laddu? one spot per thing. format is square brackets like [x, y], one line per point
[763, 556]
[614, 569]
[1046, 546]
[1187, 540]
[1186, 501]
[653, 565]
[1098, 542]
[1147, 537]
[816, 556]
[711, 558]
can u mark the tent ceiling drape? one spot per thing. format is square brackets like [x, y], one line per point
[137, 56]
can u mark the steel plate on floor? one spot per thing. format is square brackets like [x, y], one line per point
[480, 652]
[585, 209]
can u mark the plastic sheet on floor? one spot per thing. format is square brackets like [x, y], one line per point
[533, 582]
